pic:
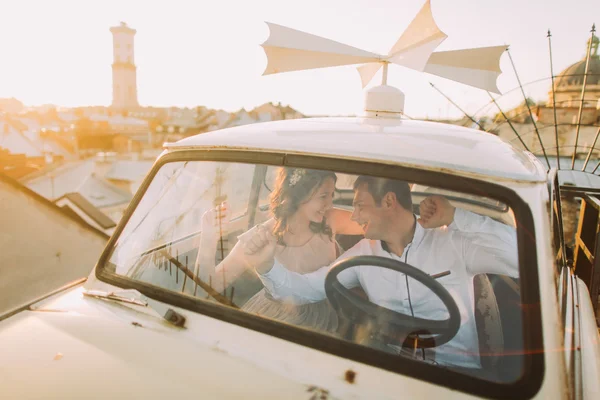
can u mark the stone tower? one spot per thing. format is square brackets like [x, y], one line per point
[123, 68]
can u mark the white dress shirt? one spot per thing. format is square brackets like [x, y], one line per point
[471, 245]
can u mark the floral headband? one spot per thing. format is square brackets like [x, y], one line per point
[296, 176]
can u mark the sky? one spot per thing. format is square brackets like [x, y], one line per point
[199, 52]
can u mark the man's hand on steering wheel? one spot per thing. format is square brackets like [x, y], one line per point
[387, 322]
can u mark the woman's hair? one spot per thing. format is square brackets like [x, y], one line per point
[293, 187]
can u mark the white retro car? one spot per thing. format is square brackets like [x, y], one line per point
[180, 304]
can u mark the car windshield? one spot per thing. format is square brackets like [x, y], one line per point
[438, 281]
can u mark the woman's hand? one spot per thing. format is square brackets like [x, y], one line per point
[253, 240]
[259, 249]
[210, 233]
[214, 222]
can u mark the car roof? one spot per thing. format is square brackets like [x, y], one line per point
[426, 145]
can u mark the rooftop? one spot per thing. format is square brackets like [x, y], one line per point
[17, 143]
[76, 200]
[77, 177]
[129, 170]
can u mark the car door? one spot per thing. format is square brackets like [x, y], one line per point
[578, 322]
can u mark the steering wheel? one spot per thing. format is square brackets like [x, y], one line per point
[388, 323]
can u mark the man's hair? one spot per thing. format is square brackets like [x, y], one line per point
[379, 187]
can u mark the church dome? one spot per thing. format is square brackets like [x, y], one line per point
[573, 75]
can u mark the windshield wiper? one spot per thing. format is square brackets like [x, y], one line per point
[139, 299]
[114, 296]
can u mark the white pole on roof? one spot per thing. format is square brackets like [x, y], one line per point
[385, 69]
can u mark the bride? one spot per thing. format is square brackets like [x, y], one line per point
[304, 224]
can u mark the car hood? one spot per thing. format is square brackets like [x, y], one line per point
[85, 352]
[74, 346]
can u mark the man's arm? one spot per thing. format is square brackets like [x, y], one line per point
[488, 246]
[285, 285]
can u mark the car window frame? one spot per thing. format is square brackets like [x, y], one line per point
[533, 358]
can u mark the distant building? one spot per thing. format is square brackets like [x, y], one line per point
[19, 165]
[121, 124]
[568, 87]
[123, 68]
[159, 113]
[13, 140]
[242, 117]
[11, 106]
[274, 112]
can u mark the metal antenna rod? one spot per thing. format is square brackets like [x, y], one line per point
[587, 65]
[457, 106]
[591, 149]
[219, 178]
[553, 99]
[185, 275]
[510, 91]
[385, 73]
[597, 165]
[509, 123]
[529, 108]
